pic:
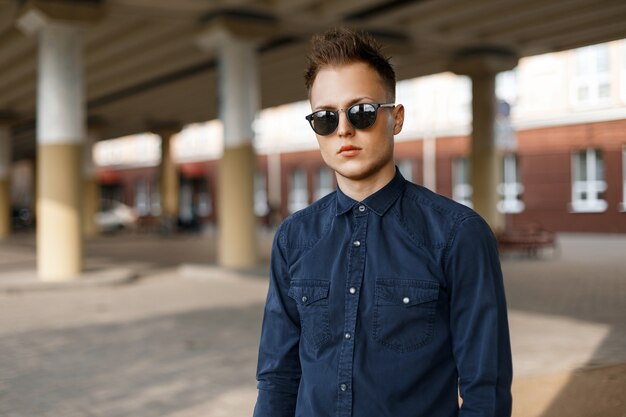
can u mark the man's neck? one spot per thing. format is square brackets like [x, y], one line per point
[359, 190]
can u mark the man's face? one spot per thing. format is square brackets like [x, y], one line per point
[356, 154]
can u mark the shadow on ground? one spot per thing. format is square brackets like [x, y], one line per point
[149, 367]
[586, 285]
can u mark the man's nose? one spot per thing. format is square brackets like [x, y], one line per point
[344, 128]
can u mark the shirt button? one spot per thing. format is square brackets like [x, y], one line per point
[304, 299]
[361, 209]
[347, 335]
[352, 290]
[343, 387]
[356, 243]
[406, 300]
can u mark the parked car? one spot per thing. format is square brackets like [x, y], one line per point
[21, 218]
[115, 217]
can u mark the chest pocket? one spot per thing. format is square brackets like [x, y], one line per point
[404, 314]
[311, 297]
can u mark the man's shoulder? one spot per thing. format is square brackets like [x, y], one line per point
[305, 226]
[427, 200]
[430, 218]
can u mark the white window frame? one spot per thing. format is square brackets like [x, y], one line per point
[406, 168]
[204, 204]
[323, 174]
[587, 74]
[590, 187]
[142, 197]
[461, 191]
[261, 205]
[298, 196]
[511, 188]
[185, 202]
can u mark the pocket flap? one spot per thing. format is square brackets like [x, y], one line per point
[405, 292]
[305, 292]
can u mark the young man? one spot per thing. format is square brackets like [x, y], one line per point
[385, 299]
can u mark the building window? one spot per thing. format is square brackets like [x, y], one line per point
[185, 202]
[623, 203]
[142, 197]
[461, 188]
[406, 168]
[155, 199]
[588, 182]
[261, 206]
[204, 203]
[511, 188]
[592, 78]
[324, 184]
[298, 191]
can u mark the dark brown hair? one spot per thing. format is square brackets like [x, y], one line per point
[339, 46]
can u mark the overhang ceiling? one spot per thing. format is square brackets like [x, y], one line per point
[143, 65]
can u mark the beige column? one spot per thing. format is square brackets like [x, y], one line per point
[239, 102]
[91, 188]
[482, 66]
[429, 158]
[237, 224]
[61, 133]
[274, 185]
[5, 179]
[237, 246]
[168, 177]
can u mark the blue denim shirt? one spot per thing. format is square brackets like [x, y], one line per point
[385, 308]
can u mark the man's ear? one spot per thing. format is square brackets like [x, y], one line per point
[398, 114]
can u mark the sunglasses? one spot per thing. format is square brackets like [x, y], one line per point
[360, 116]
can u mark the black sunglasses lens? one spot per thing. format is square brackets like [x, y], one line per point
[362, 116]
[324, 122]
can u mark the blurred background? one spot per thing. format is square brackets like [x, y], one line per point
[149, 150]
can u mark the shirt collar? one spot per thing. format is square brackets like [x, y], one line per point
[379, 202]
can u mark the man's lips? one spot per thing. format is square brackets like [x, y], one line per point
[349, 150]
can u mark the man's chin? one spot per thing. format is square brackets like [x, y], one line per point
[358, 173]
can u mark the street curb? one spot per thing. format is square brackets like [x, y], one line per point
[27, 281]
[205, 272]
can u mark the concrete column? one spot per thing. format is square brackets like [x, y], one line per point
[61, 132]
[274, 185]
[482, 65]
[484, 159]
[239, 99]
[168, 178]
[5, 180]
[91, 188]
[234, 41]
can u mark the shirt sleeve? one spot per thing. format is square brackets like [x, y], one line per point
[478, 320]
[278, 370]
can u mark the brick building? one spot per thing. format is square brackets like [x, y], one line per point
[561, 133]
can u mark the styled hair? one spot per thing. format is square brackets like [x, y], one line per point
[340, 46]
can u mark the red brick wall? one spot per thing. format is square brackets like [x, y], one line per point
[544, 157]
[545, 168]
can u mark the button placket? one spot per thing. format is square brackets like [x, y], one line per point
[356, 269]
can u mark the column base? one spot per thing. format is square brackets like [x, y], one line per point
[59, 237]
[237, 242]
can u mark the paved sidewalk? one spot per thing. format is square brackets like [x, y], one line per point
[181, 340]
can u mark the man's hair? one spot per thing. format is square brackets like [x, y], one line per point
[340, 46]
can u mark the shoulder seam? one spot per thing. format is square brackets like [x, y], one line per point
[453, 232]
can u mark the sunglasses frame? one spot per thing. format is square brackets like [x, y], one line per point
[376, 106]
